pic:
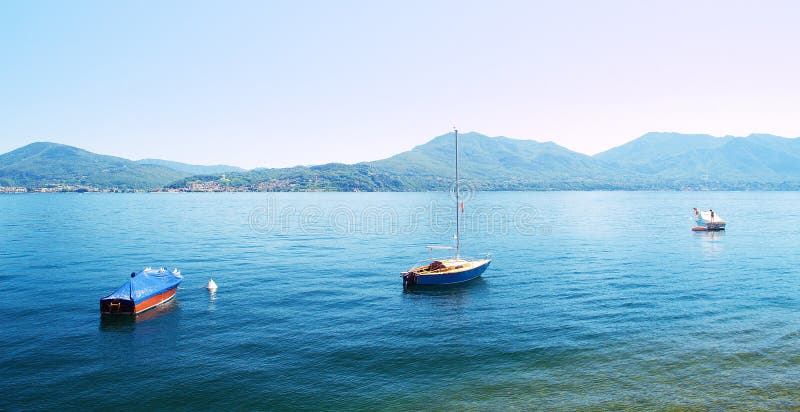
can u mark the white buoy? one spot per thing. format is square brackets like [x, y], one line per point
[211, 285]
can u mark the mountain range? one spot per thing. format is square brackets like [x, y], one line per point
[44, 164]
[758, 158]
[654, 161]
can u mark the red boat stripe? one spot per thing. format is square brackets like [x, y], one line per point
[154, 300]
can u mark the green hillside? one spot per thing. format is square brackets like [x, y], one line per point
[45, 164]
[496, 162]
[756, 159]
[329, 177]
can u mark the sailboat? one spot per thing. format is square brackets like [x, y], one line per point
[451, 270]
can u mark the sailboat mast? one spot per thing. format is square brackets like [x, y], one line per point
[458, 226]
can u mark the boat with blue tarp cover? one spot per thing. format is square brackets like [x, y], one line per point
[144, 290]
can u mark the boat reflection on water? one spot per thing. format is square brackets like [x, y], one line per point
[212, 299]
[116, 323]
[456, 294]
[711, 235]
[712, 244]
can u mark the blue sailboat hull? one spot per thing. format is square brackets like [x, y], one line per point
[452, 278]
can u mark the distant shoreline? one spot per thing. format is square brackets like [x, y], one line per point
[127, 191]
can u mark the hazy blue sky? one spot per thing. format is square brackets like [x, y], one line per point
[282, 83]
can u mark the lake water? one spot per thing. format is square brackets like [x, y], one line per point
[594, 300]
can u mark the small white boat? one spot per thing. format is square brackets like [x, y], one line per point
[708, 221]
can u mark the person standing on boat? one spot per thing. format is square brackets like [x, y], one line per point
[712, 214]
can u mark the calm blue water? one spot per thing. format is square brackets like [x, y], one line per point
[593, 300]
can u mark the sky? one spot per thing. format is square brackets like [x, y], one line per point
[283, 83]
